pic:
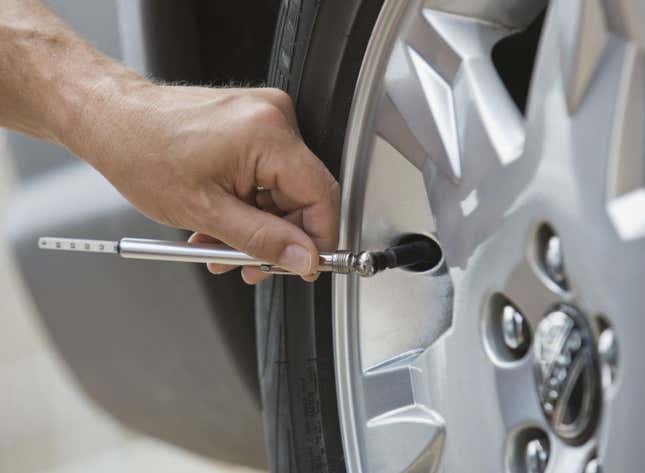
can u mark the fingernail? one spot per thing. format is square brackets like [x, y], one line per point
[244, 278]
[295, 258]
[213, 270]
[311, 277]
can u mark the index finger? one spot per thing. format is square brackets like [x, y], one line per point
[300, 182]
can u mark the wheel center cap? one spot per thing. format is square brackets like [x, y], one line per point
[567, 373]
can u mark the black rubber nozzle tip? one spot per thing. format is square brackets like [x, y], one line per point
[415, 253]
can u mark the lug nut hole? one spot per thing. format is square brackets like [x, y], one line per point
[608, 351]
[550, 256]
[527, 451]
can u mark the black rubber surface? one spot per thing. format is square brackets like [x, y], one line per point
[318, 49]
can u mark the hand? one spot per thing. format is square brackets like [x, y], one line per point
[194, 158]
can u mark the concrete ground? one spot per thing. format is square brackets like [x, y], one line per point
[46, 423]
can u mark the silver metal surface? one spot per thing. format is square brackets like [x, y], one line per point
[608, 354]
[536, 456]
[593, 466]
[554, 260]
[339, 262]
[513, 327]
[433, 131]
[185, 252]
[364, 264]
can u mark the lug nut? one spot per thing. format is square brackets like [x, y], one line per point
[593, 466]
[554, 260]
[608, 354]
[536, 456]
[513, 328]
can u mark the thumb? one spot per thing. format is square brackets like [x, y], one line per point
[264, 236]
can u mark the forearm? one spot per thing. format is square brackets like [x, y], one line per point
[52, 83]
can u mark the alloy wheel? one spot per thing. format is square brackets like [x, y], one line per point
[521, 351]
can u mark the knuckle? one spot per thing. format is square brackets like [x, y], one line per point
[258, 240]
[334, 191]
[266, 114]
[279, 97]
[216, 268]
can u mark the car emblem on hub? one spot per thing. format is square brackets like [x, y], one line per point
[567, 373]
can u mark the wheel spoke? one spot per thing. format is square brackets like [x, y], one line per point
[402, 433]
[508, 13]
[626, 18]
[518, 394]
[444, 101]
[626, 179]
[407, 440]
[388, 386]
[398, 325]
[483, 107]
[586, 114]
[581, 45]
[441, 84]
[575, 458]
[383, 220]
[393, 127]
[424, 100]
[627, 166]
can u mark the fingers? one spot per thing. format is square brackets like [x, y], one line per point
[252, 275]
[214, 268]
[276, 97]
[282, 101]
[298, 212]
[297, 180]
[264, 236]
[264, 201]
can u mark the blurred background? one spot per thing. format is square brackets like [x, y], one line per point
[157, 349]
[47, 425]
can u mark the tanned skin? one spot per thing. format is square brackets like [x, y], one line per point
[188, 157]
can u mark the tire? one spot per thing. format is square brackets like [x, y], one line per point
[317, 53]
